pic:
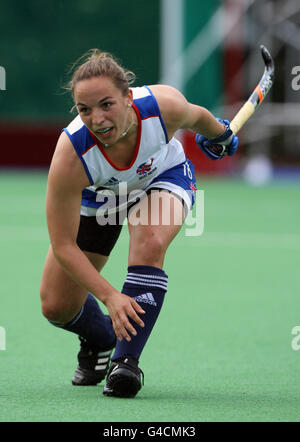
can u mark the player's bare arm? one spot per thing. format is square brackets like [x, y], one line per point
[66, 181]
[178, 113]
[213, 135]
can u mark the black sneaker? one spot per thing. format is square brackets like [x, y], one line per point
[92, 364]
[124, 378]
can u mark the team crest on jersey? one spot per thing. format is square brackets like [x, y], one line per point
[145, 169]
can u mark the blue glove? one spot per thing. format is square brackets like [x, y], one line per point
[217, 148]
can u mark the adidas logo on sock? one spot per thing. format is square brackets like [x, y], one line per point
[147, 298]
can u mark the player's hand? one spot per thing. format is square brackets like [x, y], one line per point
[217, 148]
[120, 308]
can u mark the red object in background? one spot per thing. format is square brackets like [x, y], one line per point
[25, 145]
[32, 145]
[204, 165]
[233, 54]
[28, 145]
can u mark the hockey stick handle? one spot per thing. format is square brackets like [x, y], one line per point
[242, 116]
[257, 95]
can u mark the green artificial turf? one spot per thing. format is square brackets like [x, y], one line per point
[221, 349]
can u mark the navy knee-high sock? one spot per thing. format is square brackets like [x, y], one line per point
[147, 285]
[91, 324]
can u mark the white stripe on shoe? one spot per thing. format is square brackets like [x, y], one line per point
[100, 367]
[104, 353]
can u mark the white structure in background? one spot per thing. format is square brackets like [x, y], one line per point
[258, 170]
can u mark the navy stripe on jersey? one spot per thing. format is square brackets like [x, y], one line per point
[81, 140]
[81, 148]
[146, 107]
[89, 199]
[159, 114]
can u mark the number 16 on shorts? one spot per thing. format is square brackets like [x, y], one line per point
[187, 171]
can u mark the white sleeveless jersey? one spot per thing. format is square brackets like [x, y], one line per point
[154, 152]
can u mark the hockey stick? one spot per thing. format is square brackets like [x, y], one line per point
[257, 95]
[253, 101]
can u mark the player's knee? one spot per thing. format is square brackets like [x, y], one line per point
[149, 250]
[58, 309]
[51, 310]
